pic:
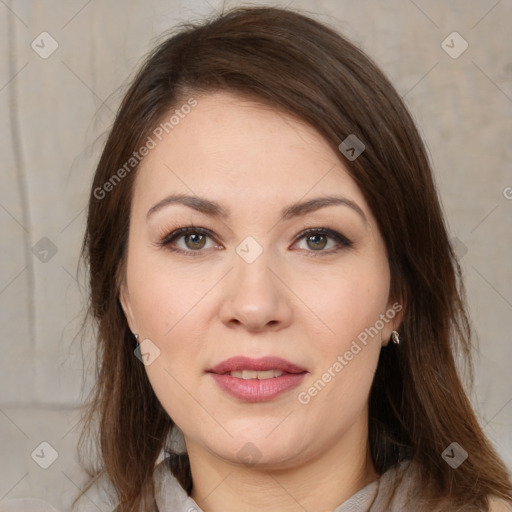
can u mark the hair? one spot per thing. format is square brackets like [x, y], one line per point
[294, 64]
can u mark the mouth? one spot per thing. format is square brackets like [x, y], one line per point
[264, 368]
[250, 374]
[257, 380]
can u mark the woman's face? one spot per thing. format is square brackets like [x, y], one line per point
[249, 280]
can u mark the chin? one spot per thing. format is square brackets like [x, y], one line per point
[260, 451]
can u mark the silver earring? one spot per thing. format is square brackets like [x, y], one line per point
[395, 336]
[136, 339]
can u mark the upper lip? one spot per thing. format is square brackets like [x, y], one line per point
[239, 363]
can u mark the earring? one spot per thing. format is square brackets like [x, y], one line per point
[395, 336]
[136, 339]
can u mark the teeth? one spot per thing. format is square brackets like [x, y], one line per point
[249, 374]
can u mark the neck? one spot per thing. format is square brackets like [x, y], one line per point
[321, 483]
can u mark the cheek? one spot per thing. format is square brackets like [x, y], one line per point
[164, 296]
[348, 356]
[163, 301]
[345, 301]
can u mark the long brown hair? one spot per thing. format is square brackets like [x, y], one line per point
[418, 405]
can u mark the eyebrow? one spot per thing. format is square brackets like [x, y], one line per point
[214, 209]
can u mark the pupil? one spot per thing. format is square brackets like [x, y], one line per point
[195, 239]
[316, 237]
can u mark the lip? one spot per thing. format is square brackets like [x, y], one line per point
[239, 363]
[255, 390]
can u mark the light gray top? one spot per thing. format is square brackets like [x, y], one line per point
[170, 496]
[377, 496]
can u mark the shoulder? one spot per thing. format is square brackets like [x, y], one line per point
[399, 491]
[25, 505]
[498, 505]
[98, 497]
[394, 486]
[169, 494]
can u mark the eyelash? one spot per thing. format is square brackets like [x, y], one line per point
[343, 242]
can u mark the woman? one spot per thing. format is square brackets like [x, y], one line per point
[274, 287]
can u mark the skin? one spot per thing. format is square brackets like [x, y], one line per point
[298, 300]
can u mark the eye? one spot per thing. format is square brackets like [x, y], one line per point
[193, 237]
[317, 239]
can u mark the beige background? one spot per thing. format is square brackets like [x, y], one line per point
[55, 112]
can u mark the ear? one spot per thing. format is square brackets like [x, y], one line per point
[124, 299]
[395, 314]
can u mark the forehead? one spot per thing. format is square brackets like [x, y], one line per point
[243, 152]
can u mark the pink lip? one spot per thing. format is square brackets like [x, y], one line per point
[236, 364]
[255, 390]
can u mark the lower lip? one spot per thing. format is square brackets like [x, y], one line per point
[255, 390]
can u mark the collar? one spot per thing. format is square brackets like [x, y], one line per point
[170, 495]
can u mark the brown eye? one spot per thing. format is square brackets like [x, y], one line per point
[188, 240]
[316, 242]
[317, 239]
[196, 241]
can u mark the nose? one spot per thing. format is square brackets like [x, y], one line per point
[256, 297]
